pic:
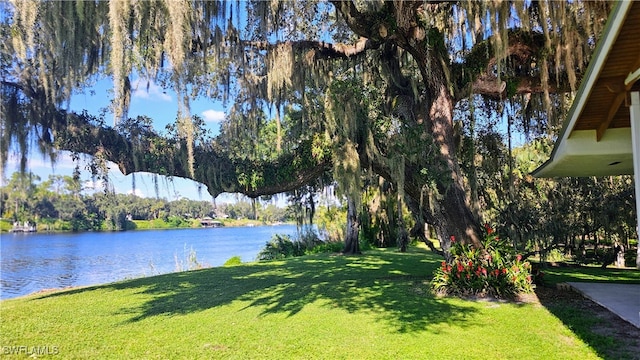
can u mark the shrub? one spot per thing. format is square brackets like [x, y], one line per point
[233, 261]
[495, 270]
[555, 255]
[326, 247]
[630, 258]
[280, 247]
[175, 221]
[307, 238]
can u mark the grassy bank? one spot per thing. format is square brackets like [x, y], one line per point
[374, 306]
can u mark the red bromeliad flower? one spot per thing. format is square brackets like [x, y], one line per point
[460, 267]
[453, 239]
[488, 228]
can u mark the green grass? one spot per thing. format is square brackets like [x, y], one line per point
[555, 275]
[5, 225]
[374, 306]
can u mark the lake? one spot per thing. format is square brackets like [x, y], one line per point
[36, 261]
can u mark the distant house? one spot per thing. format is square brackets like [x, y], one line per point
[209, 222]
[26, 228]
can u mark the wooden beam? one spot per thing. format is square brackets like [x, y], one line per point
[619, 85]
[615, 84]
[613, 109]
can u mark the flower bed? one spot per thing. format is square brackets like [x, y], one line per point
[495, 270]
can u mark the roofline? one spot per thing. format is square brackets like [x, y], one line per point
[609, 36]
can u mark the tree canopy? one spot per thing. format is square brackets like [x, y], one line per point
[363, 89]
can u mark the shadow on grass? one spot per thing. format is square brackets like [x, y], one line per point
[559, 274]
[391, 285]
[607, 334]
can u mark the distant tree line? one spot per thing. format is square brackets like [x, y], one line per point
[61, 203]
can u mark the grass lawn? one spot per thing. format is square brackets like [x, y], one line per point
[374, 306]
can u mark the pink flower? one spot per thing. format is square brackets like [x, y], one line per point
[519, 257]
[453, 239]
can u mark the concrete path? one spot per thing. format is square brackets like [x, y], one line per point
[621, 299]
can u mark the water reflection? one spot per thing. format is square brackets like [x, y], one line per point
[32, 262]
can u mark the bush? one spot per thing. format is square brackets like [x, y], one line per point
[307, 238]
[630, 258]
[233, 261]
[280, 247]
[176, 222]
[555, 255]
[327, 247]
[495, 270]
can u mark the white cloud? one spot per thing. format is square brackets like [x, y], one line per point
[137, 192]
[149, 90]
[93, 186]
[213, 115]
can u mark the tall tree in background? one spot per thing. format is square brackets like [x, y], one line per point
[374, 83]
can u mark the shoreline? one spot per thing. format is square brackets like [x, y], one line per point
[146, 225]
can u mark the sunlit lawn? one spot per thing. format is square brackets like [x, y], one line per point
[556, 275]
[375, 306]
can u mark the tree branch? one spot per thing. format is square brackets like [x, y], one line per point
[521, 75]
[365, 25]
[320, 49]
[214, 168]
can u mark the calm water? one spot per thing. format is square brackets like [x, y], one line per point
[32, 262]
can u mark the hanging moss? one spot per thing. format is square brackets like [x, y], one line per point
[198, 49]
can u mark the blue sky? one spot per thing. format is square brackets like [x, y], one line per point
[154, 102]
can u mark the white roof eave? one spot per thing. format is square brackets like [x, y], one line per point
[615, 22]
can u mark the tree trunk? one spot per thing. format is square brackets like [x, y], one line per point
[351, 241]
[254, 212]
[403, 236]
[452, 214]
